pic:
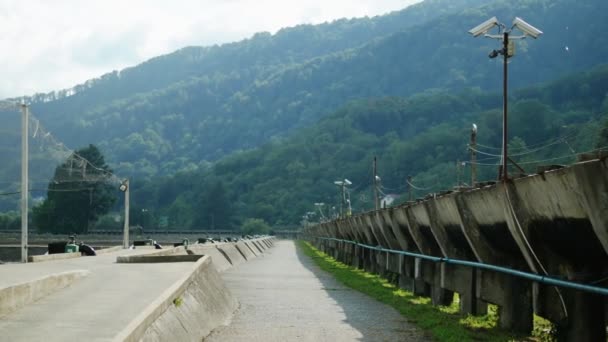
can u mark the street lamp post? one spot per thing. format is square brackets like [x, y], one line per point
[124, 187]
[342, 184]
[143, 218]
[507, 51]
[319, 206]
[24, 181]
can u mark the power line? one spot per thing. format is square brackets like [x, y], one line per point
[51, 190]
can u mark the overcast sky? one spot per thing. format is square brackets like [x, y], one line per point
[50, 45]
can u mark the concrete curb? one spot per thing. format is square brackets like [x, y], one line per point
[63, 256]
[17, 296]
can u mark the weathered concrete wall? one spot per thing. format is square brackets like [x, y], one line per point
[197, 303]
[553, 223]
[187, 311]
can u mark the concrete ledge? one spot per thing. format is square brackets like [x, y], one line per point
[108, 250]
[132, 259]
[17, 296]
[187, 311]
[63, 256]
[52, 257]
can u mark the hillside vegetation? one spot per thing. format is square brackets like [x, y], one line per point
[422, 136]
[211, 136]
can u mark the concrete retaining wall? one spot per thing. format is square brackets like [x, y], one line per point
[14, 297]
[553, 223]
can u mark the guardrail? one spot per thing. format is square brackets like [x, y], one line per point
[521, 274]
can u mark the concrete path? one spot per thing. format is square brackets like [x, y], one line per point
[94, 308]
[284, 296]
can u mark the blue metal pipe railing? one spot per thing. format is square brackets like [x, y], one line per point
[521, 274]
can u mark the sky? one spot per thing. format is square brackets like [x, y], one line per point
[52, 45]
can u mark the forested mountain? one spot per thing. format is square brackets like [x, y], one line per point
[422, 136]
[294, 105]
[179, 111]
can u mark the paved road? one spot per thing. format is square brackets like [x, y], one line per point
[285, 297]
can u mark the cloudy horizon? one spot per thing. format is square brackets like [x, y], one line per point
[49, 46]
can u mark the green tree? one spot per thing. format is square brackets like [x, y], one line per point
[77, 195]
[213, 207]
[255, 226]
[602, 140]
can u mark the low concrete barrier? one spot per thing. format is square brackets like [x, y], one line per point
[245, 251]
[187, 311]
[252, 248]
[255, 246]
[219, 260]
[232, 254]
[17, 296]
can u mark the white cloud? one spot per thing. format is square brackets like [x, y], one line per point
[50, 45]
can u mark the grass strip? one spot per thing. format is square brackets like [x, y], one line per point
[443, 323]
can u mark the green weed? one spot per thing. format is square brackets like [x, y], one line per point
[444, 323]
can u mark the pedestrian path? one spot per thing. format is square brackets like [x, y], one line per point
[284, 296]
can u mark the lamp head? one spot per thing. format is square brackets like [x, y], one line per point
[484, 27]
[526, 28]
[124, 185]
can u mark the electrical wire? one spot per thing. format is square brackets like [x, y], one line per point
[548, 141]
[418, 188]
[517, 154]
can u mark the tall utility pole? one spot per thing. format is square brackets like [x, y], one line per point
[505, 42]
[473, 147]
[375, 183]
[507, 51]
[24, 179]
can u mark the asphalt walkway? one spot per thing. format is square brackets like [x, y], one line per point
[284, 296]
